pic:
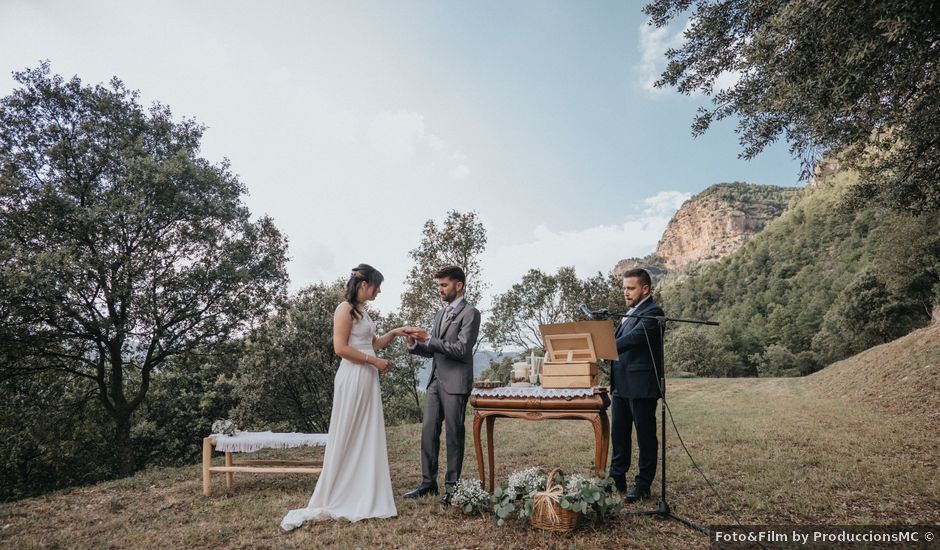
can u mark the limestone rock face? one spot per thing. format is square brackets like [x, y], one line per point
[720, 220]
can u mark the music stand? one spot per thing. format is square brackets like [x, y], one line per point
[663, 510]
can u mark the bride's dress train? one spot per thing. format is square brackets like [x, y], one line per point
[355, 483]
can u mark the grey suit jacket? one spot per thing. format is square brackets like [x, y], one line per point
[451, 348]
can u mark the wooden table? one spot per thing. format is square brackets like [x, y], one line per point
[248, 466]
[592, 408]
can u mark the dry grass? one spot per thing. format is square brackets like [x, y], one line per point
[780, 451]
[901, 377]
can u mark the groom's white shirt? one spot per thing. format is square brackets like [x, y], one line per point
[453, 305]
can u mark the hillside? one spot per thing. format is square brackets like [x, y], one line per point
[818, 284]
[901, 377]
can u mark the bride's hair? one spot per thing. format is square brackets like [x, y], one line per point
[362, 272]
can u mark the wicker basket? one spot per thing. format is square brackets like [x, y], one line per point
[547, 514]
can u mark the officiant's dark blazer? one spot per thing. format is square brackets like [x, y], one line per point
[451, 348]
[632, 375]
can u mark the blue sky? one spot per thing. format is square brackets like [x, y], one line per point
[352, 123]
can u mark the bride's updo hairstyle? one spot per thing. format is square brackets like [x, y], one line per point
[362, 272]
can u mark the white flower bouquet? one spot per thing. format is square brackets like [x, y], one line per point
[469, 496]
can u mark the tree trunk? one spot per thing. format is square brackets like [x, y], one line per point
[123, 452]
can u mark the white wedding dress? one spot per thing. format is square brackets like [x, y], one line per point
[355, 483]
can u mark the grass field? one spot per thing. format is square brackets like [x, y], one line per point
[779, 451]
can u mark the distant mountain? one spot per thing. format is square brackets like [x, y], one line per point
[481, 362]
[720, 220]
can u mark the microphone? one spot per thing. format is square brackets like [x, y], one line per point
[586, 311]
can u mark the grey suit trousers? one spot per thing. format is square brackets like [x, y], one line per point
[449, 409]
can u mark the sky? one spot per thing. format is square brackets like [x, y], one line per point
[353, 122]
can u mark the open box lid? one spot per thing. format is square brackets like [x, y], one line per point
[579, 341]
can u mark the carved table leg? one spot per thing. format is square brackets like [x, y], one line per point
[477, 422]
[490, 420]
[605, 431]
[599, 442]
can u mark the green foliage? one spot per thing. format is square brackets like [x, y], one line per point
[285, 375]
[120, 246]
[771, 199]
[459, 241]
[698, 352]
[402, 400]
[50, 435]
[866, 313]
[828, 76]
[183, 402]
[817, 285]
[541, 298]
[777, 361]
[284, 379]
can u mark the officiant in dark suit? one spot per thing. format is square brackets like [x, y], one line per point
[450, 346]
[635, 386]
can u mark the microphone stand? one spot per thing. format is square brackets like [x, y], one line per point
[663, 510]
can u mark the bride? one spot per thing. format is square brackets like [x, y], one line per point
[355, 483]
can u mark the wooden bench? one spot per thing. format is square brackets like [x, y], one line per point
[248, 466]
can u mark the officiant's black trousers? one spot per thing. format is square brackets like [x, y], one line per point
[448, 409]
[625, 414]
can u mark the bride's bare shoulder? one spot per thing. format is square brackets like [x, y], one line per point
[343, 307]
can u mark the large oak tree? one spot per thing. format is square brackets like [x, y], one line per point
[120, 246]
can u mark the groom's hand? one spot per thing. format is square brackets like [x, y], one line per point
[419, 334]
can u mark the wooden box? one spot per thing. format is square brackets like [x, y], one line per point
[572, 353]
[569, 369]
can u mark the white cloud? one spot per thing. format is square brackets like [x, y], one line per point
[664, 203]
[589, 250]
[654, 41]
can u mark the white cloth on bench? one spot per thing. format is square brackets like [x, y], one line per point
[249, 442]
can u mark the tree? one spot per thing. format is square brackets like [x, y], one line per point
[697, 351]
[859, 79]
[120, 247]
[865, 314]
[459, 241]
[285, 376]
[541, 299]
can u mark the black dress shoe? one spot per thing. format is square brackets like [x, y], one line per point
[449, 489]
[421, 491]
[637, 494]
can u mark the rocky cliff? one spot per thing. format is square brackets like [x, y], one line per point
[719, 220]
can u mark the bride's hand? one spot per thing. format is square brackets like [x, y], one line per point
[418, 333]
[382, 365]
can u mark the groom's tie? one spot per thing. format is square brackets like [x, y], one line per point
[443, 320]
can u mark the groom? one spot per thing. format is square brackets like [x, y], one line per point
[450, 347]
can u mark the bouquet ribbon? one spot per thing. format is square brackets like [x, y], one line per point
[547, 499]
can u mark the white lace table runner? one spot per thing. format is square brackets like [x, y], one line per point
[249, 442]
[536, 391]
